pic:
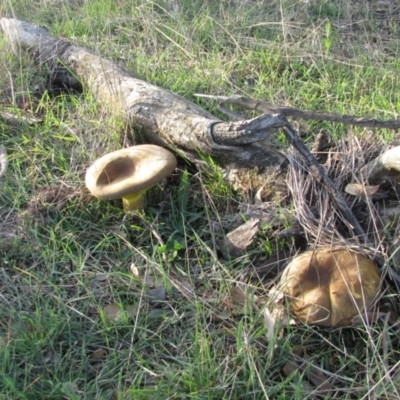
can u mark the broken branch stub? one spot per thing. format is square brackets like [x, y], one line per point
[385, 167]
[164, 118]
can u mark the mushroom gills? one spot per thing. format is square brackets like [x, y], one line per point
[116, 171]
[128, 173]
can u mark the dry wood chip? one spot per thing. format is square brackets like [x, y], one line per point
[236, 242]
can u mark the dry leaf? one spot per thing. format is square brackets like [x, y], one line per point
[152, 280]
[186, 287]
[146, 276]
[131, 310]
[321, 142]
[114, 395]
[157, 294]
[98, 354]
[299, 361]
[224, 313]
[357, 189]
[291, 367]
[114, 312]
[135, 270]
[258, 197]
[70, 389]
[236, 242]
[234, 303]
[270, 322]
[316, 375]
[119, 232]
[238, 296]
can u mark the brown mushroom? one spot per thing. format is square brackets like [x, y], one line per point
[328, 287]
[129, 173]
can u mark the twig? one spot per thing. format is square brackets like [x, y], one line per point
[267, 108]
[293, 138]
[233, 114]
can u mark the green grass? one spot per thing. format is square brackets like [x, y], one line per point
[67, 256]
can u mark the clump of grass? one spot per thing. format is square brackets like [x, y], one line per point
[67, 256]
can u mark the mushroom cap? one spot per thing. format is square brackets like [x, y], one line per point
[328, 287]
[130, 170]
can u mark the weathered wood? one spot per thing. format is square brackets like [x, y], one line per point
[163, 117]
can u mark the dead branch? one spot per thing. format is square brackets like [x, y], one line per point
[267, 108]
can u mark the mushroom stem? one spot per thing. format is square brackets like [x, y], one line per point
[134, 201]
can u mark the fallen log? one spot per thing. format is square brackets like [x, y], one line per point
[162, 117]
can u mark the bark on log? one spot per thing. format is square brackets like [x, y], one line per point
[163, 117]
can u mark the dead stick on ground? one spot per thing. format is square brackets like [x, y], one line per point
[296, 142]
[267, 108]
